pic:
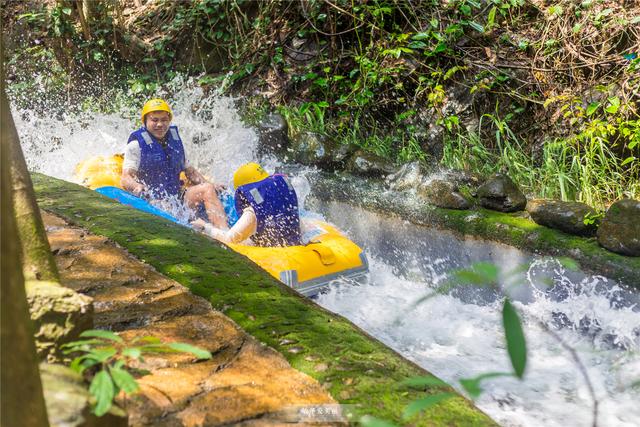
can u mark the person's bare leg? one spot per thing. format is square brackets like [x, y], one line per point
[206, 194]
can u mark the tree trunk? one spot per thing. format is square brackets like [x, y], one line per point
[83, 17]
[22, 397]
[38, 263]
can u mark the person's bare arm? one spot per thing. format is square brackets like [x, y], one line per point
[129, 182]
[244, 228]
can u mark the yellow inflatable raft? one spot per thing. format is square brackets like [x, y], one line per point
[328, 256]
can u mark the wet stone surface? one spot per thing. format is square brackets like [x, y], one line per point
[245, 383]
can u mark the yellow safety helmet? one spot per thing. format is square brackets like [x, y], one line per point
[248, 173]
[155, 104]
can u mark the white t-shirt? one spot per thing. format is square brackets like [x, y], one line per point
[132, 157]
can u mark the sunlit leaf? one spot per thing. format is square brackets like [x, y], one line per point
[568, 263]
[592, 108]
[97, 333]
[124, 380]
[132, 352]
[516, 344]
[147, 339]
[101, 354]
[188, 348]
[102, 389]
[420, 36]
[476, 26]
[491, 18]
[421, 404]
[613, 106]
[627, 160]
[424, 382]
[472, 385]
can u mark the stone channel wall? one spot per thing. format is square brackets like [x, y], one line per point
[512, 228]
[354, 368]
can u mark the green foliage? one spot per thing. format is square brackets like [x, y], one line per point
[109, 357]
[516, 344]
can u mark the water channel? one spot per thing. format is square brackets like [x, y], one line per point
[455, 335]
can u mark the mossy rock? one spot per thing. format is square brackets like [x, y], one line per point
[513, 229]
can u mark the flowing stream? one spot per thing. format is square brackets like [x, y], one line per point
[456, 335]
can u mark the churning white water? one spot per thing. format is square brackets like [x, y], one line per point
[454, 336]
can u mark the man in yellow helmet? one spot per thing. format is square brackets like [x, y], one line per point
[154, 159]
[268, 206]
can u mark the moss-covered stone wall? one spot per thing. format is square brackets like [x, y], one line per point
[514, 229]
[355, 368]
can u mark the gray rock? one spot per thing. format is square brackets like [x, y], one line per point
[67, 400]
[501, 194]
[310, 148]
[565, 216]
[273, 134]
[443, 194]
[619, 230]
[369, 164]
[59, 315]
[410, 175]
[341, 154]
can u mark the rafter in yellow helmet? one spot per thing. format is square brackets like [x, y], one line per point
[248, 173]
[155, 104]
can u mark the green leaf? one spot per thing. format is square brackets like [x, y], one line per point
[124, 380]
[481, 273]
[592, 108]
[132, 352]
[98, 333]
[568, 263]
[79, 364]
[627, 160]
[491, 18]
[79, 345]
[102, 389]
[147, 339]
[66, 11]
[420, 36]
[472, 385]
[613, 106]
[419, 382]
[101, 354]
[417, 45]
[476, 26]
[369, 421]
[421, 404]
[516, 344]
[188, 348]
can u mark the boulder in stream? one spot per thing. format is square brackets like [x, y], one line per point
[312, 149]
[410, 175]
[565, 216]
[368, 164]
[273, 136]
[500, 193]
[443, 194]
[619, 230]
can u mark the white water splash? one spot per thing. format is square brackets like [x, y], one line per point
[216, 141]
[457, 340]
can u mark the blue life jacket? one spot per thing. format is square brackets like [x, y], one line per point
[160, 166]
[276, 206]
